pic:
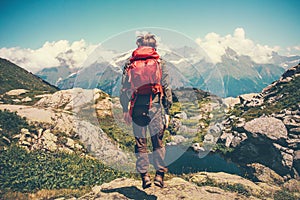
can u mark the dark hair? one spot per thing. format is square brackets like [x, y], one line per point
[147, 39]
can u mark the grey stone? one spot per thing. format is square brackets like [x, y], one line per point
[269, 126]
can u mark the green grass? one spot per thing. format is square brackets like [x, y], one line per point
[15, 77]
[239, 188]
[23, 171]
[31, 171]
[10, 125]
[121, 134]
[288, 97]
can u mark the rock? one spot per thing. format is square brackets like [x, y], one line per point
[26, 99]
[246, 98]
[76, 99]
[236, 141]
[296, 163]
[25, 143]
[297, 155]
[229, 139]
[224, 179]
[66, 150]
[6, 140]
[291, 122]
[104, 108]
[230, 102]
[48, 136]
[209, 138]
[181, 115]
[70, 143]
[175, 188]
[177, 139]
[269, 126]
[42, 95]
[232, 117]
[265, 174]
[175, 124]
[16, 92]
[100, 144]
[292, 185]
[287, 159]
[78, 146]
[197, 147]
[50, 145]
[295, 130]
[240, 123]
[25, 132]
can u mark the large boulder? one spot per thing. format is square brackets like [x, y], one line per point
[268, 126]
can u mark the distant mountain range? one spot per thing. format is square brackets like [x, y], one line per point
[235, 75]
[15, 77]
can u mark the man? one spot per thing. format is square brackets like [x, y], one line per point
[149, 108]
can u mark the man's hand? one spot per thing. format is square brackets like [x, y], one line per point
[127, 118]
[167, 117]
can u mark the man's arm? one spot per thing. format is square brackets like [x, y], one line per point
[125, 89]
[167, 98]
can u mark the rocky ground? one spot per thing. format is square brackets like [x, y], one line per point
[203, 185]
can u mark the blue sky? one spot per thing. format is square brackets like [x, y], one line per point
[30, 23]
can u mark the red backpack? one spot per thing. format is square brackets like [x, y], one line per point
[144, 74]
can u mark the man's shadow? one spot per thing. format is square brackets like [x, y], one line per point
[131, 192]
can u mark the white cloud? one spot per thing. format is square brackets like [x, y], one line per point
[294, 50]
[215, 46]
[59, 53]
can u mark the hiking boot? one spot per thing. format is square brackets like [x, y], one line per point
[159, 179]
[146, 180]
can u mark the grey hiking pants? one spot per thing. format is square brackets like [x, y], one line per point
[156, 128]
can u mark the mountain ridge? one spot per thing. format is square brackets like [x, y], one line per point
[15, 77]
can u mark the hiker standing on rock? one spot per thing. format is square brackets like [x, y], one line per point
[146, 98]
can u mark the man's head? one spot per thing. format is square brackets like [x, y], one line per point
[147, 39]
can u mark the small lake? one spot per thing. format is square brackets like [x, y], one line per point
[181, 161]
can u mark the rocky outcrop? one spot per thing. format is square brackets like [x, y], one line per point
[203, 185]
[77, 99]
[16, 92]
[268, 132]
[176, 188]
[266, 175]
[48, 141]
[55, 122]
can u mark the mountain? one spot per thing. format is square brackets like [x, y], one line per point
[55, 74]
[15, 77]
[285, 61]
[237, 74]
[107, 77]
[234, 75]
[101, 75]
